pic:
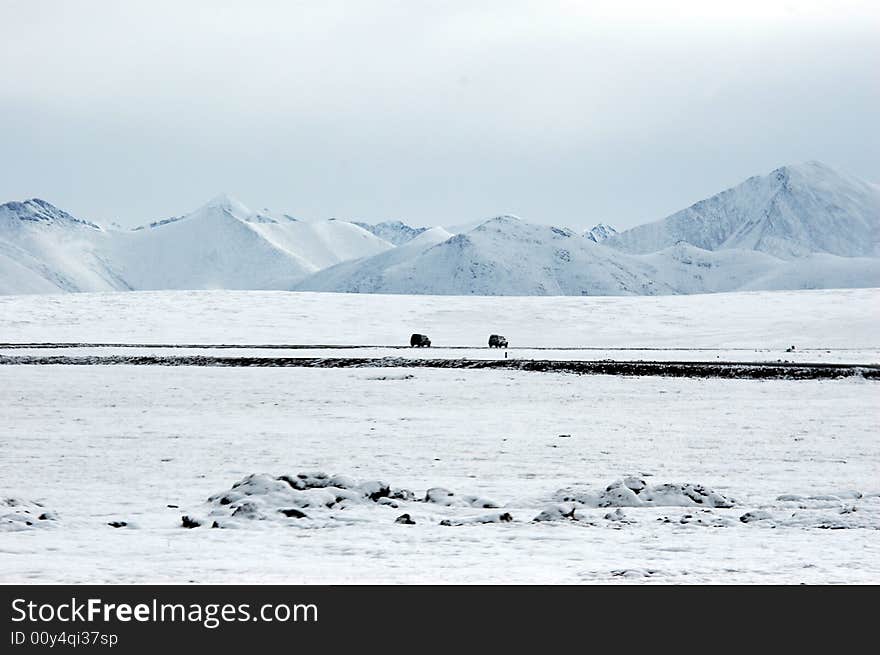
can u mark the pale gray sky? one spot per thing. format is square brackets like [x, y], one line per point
[565, 112]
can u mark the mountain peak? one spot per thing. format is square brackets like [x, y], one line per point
[600, 232]
[811, 172]
[499, 221]
[396, 232]
[226, 202]
[811, 165]
[40, 211]
[794, 210]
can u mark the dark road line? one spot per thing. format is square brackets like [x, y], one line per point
[322, 346]
[731, 370]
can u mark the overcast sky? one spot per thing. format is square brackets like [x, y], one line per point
[560, 112]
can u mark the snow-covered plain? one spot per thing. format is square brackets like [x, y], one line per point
[769, 481]
[823, 319]
[97, 445]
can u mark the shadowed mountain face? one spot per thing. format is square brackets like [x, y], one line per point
[804, 226]
[598, 233]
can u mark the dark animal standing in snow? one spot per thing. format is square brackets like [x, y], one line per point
[497, 341]
[419, 341]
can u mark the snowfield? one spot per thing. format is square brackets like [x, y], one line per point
[121, 473]
[824, 319]
[786, 473]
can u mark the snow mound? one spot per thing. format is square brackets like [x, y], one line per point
[500, 517]
[441, 496]
[260, 496]
[17, 514]
[316, 499]
[618, 516]
[635, 492]
[557, 512]
[755, 515]
[838, 511]
[842, 517]
[635, 573]
[819, 501]
[703, 518]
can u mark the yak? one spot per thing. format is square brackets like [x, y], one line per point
[419, 341]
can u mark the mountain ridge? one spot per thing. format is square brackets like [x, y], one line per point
[395, 232]
[800, 226]
[790, 212]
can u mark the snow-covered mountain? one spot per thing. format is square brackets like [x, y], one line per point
[689, 269]
[792, 212]
[371, 273]
[44, 250]
[220, 245]
[598, 233]
[507, 256]
[800, 227]
[502, 256]
[396, 232]
[226, 245]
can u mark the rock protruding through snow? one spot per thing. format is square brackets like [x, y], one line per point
[17, 514]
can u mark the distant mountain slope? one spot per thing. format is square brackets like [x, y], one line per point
[44, 249]
[21, 272]
[396, 232]
[502, 256]
[215, 247]
[506, 256]
[220, 245]
[792, 212]
[226, 245]
[321, 243]
[377, 272]
[689, 269]
[819, 271]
